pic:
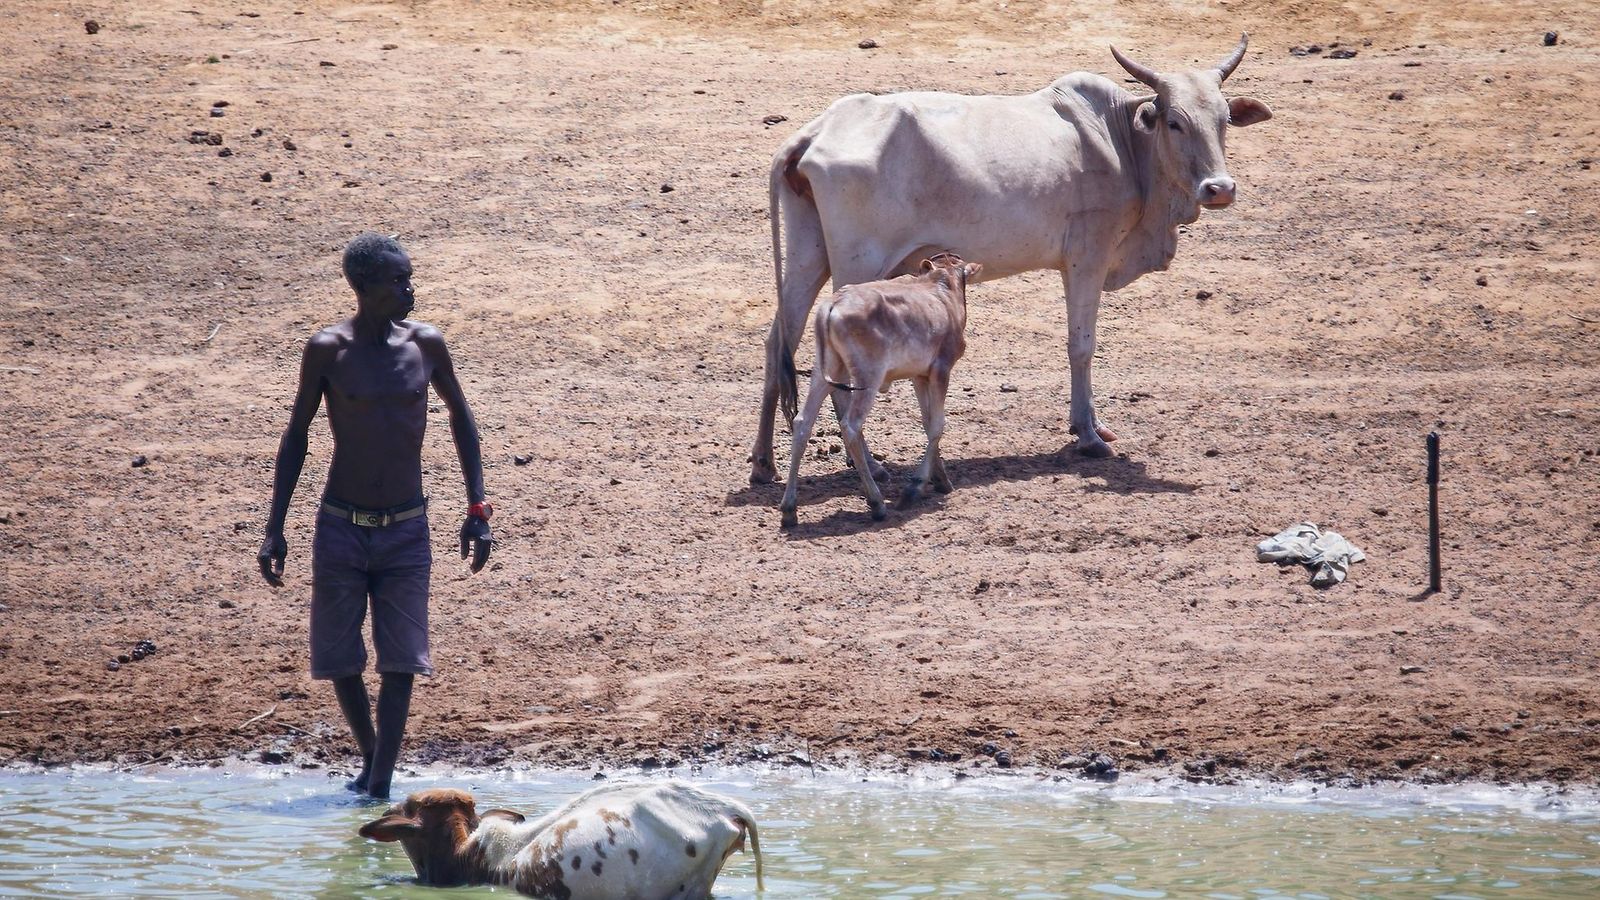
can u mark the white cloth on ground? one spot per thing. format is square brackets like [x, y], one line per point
[1327, 553]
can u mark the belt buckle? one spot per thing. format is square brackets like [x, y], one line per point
[368, 520]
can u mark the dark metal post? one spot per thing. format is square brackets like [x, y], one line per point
[1435, 583]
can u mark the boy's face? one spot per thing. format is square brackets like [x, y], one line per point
[389, 293]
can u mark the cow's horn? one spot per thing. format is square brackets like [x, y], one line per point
[1141, 72]
[1226, 67]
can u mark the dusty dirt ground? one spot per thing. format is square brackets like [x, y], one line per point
[1392, 266]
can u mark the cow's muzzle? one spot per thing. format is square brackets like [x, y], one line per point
[1217, 193]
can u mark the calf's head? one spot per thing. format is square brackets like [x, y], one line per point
[1188, 120]
[433, 826]
[953, 270]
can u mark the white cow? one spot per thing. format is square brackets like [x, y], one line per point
[660, 841]
[1083, 177]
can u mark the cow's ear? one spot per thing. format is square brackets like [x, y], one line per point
[927, 265]
[1244, 111]
[515, 817]
[391, 828]
[972, 270]
[1144, 118]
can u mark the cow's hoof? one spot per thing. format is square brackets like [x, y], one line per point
[763, 473]
[880, 472]
[911, 494]
[1093, 449]
[790, 520]
[943, 485]
[1104, 433]
[880, 512]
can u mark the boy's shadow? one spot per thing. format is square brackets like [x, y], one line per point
[1117, 475]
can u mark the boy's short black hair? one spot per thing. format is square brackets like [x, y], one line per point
[364, 254]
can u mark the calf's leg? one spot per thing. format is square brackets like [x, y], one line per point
[924, 469]
[855, 442]
[803, 424]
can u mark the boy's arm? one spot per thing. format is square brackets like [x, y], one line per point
[314, 364]
[475, 539]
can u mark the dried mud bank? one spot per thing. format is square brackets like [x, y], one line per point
[1393, 265]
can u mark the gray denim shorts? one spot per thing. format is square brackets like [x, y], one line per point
[349, 564]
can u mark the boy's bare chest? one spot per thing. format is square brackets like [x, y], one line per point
[379, 376]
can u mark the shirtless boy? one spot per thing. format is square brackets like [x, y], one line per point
[372, 530]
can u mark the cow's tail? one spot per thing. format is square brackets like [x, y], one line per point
[780, 357]
[747, 822]
[824, 330]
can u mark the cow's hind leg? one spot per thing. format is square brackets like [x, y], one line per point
[805, 271]
[850, 426]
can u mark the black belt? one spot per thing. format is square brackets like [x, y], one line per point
[375, 518]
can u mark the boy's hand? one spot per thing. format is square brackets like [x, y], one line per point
[475, 537]
[274, 550]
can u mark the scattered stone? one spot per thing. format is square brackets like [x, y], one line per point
[1003, 759]
[205, 137]
[598, 776]
[350, 183]
[218, 113]
[522, 459]
[1460, 734]
[266, 176]
[773, 119]
[1342, 53]
[1213, 452]
[93, 27]
[1102, 768]
[1397, 95]
[867, 44]
[112, 665]
[1008, 388]
[225, 152]
[615, 480]
[1523, 714]
[273, 757]
[1073, 762]
[1482, 281]
[124, 658]
[667, 189]
[390, 47]
[140, 461]
[1411, 670]
[1309, 50]
[1550, 37]
[325, 64]
[220, 104]
[1202, 295]
[289, 145]
[225, 604]
[1196, 769]
[983, 586]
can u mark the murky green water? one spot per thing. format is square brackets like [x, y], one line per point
[273, 834]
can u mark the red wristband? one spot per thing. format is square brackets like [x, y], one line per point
[481, 510]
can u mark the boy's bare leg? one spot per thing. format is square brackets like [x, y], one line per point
[394, 707]
[352, 693]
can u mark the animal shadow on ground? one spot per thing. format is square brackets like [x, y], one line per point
[1117, 475]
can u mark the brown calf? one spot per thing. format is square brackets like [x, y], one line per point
[873, 334]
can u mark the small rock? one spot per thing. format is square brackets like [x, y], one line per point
[983, 586]
[149, 647]
[140, 461]
[867, 44]
[1482, 281]
[218, 113]
[615, 480]
[1550, 37]
[1411, 670]
[598, 776]
[1380, 511]
[1003, 759]
[220, 104]
[1460, 734]
[93, 27]
[124, 658]
[667, 189]
[390, 47]
[225, 604]
[1213, 452]
[1397, 95]
[1008, 388]
[522, 459]
[989, 748]
[225, 152]
[112, 665]
[1073, 762]
[773, 119]
[273, 757]
[1202, 295]
[1523, 714]
[325, 63]
[1342, 53]
[289, 145]
[266, 176]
